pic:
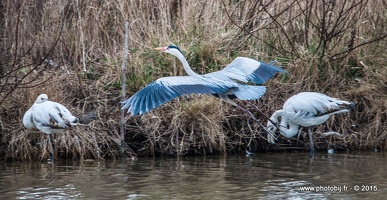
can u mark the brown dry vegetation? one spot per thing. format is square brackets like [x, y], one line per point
[333, 47]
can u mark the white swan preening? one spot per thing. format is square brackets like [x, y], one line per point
[229, 83]
[49, 117]
[305, 109]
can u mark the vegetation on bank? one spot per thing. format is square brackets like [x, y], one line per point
[72, 51]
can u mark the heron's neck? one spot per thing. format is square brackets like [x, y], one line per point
[287, 128]
[187, 69]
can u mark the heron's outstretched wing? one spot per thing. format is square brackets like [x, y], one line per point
[165, 89]
[249, 70]
[249, 92]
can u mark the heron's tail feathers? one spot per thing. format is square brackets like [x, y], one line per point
[249, 92]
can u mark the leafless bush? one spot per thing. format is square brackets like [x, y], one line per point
[329, 29]
[25, 60]
[333, 47]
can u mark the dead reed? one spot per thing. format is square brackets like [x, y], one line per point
[72, 52]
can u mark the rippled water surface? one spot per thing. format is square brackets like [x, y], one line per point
[260, 176]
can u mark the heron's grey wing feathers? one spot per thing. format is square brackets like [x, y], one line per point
[167, 88]
[250, 70]
[249, 92]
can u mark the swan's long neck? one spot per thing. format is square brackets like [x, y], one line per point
[287, 128]
[185, 65]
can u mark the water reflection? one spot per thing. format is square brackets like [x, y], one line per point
[260, 176]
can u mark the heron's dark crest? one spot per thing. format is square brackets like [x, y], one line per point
[175, 47]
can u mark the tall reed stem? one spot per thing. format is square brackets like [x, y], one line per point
[123, 88]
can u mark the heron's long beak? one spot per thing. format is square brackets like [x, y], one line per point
[161, 48]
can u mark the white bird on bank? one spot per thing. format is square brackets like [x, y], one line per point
[229, 83]
[306, 109]
[49, 117]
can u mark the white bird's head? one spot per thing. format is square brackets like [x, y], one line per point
[41, 98]
[171, 49]
[272, 125]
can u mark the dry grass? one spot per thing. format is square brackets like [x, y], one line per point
[192, 125]
[337, 49]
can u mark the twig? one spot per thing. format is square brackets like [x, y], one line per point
[344, 53]
[123, 88]
[35, 65]
[82, 40]
[247, 31]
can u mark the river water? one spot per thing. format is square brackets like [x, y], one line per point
[260, 176]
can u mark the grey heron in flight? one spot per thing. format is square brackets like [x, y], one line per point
[49, 117]
[305, 109]
[227, 84]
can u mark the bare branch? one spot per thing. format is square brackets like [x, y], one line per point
[247, 31]
[123, 87]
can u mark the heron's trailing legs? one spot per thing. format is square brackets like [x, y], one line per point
[261, 113]
[225, 98]
[256, 120]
